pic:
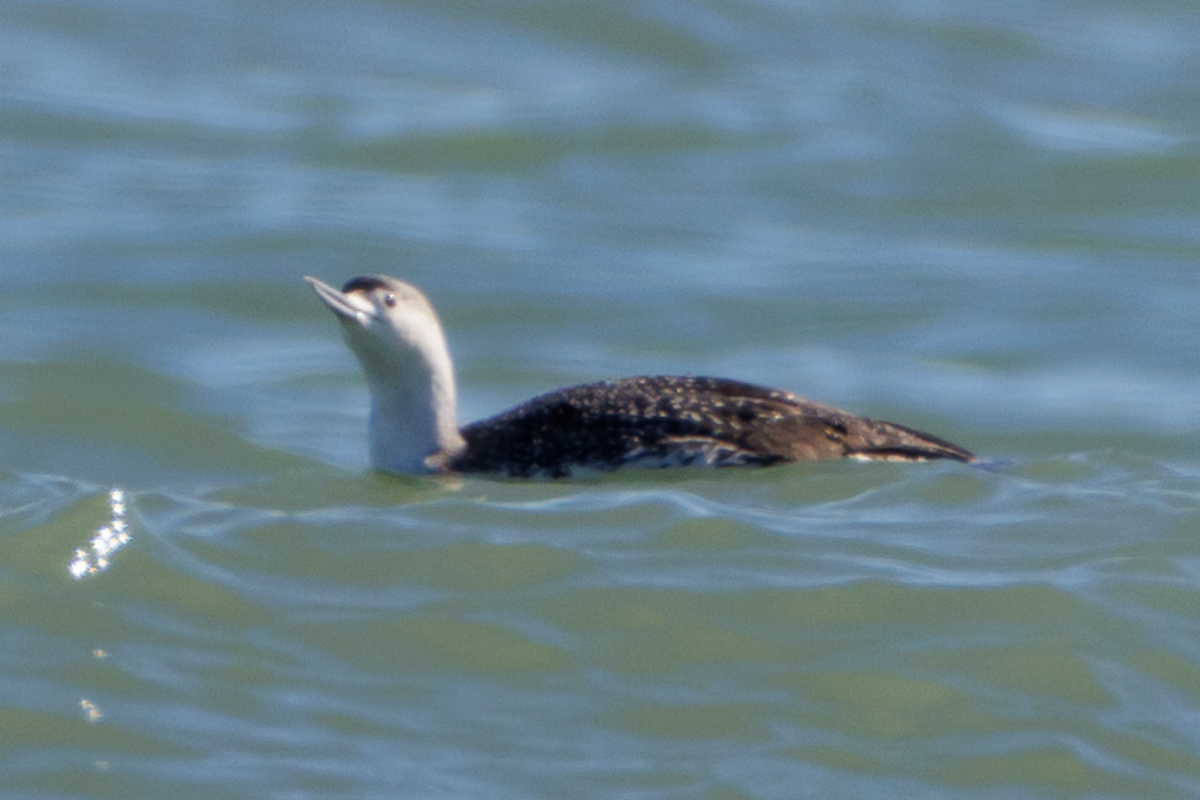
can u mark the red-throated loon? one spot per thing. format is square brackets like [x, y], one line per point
[648, 421]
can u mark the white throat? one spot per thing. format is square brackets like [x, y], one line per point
[413, 425]
[413, 420]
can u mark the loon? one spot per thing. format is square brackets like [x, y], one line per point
[648, 421]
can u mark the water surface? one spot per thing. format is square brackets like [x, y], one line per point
[974, 221]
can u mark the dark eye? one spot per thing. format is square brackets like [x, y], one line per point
[389, 300]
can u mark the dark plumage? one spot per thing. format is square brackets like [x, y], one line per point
[677, 421]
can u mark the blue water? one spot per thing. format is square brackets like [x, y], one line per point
[978, 221]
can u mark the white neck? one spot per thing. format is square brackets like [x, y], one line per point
[413, 426]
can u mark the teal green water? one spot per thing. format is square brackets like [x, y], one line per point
[974, 221]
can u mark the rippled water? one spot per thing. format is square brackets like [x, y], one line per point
[976, 221]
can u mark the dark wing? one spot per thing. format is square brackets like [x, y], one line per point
[663, 420]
